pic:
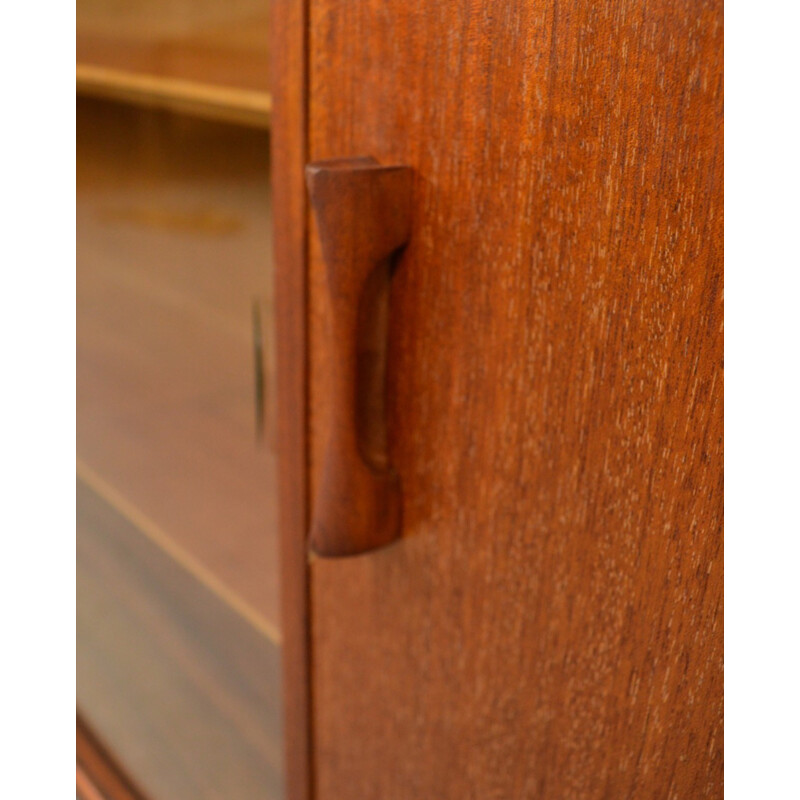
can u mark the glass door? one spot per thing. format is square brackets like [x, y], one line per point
[178, 625]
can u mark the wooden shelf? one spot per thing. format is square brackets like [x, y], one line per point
[203, 41]
[226, 104]
[182, 689]
[199, 57]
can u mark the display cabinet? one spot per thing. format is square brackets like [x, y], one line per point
[179, 628]
[399, 400]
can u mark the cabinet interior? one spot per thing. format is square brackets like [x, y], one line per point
[178, 619]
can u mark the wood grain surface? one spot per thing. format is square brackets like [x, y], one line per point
[289, 150]
[550, 626]
[181, 689]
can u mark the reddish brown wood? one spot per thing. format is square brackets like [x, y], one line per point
[363, 214]
[550, 625]
[289, 26]
[85, 788]
[98, 774]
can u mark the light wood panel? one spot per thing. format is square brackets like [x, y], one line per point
[181, 689]
[223, 44]
[173, 249]
[550, 625]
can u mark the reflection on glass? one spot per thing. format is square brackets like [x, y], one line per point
[178, 637]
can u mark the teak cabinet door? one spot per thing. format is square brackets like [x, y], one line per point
[549, 625]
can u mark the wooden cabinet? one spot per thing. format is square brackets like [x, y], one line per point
[550, 625]
[548, 621]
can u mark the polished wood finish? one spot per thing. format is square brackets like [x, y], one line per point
[200, 41]
[98, 776]
[85, 788]
[363, 216]
[289, 25]
[240, 106]
[183, 690]
[173, 247]
[550, 625]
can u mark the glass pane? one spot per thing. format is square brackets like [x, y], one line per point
[178, 626]
[205, 42]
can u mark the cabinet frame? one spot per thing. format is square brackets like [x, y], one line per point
[289, 142]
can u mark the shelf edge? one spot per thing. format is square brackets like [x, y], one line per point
[225, 104]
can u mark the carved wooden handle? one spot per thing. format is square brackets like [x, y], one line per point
[363, 213]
